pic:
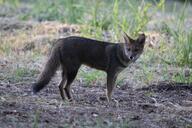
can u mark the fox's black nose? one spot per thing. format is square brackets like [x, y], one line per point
[131, 57]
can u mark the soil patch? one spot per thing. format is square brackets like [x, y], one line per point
[149, 107]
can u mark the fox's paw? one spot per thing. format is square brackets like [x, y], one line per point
[113, 103]
[102, 98]
[110, 102]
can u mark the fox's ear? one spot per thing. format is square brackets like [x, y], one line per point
[127, 38]
[141, 39]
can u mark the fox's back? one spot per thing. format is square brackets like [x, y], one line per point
[85, 51]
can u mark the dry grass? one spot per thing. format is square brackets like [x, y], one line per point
[38, 35]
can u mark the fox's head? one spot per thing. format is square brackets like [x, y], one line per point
[133, 48]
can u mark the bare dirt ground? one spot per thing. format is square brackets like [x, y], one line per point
[157, 106]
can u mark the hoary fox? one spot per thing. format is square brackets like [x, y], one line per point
[71, 52]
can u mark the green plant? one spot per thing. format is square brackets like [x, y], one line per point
[165, 73]
[74, 11]
[181, 78]
[97, 16]
[47, 10]
[20, 73]
[182, 48]
[98, 22]
[5, 48]
[14, 3]
[62, 10]
[148, 74]
[91, 76]
[115, 17]
[36, 119]
[141, 16]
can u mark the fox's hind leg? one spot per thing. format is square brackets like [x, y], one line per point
[70, 77]
[62, 84]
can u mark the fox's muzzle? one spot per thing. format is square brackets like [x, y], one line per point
[131, 57]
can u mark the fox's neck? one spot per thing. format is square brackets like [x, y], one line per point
[121, 56]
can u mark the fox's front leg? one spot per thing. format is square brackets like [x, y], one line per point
[111, 78]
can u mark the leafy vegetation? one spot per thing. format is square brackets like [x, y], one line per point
[105, 20]
[183, 39]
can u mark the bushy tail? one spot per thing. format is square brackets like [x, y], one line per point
[49, 71]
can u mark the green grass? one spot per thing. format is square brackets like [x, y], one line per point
[36, 119]
[181, 51]
[99, 16]
[14, 3]
[5, 48]
[184, 49]
[91, 76]
[69, 11]
[115, 16]
[183, 77]
[20, 74]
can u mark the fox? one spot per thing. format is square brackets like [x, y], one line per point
[71, 52]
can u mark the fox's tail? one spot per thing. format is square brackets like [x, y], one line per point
[50, 68]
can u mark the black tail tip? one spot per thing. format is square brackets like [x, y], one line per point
[35, 88]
